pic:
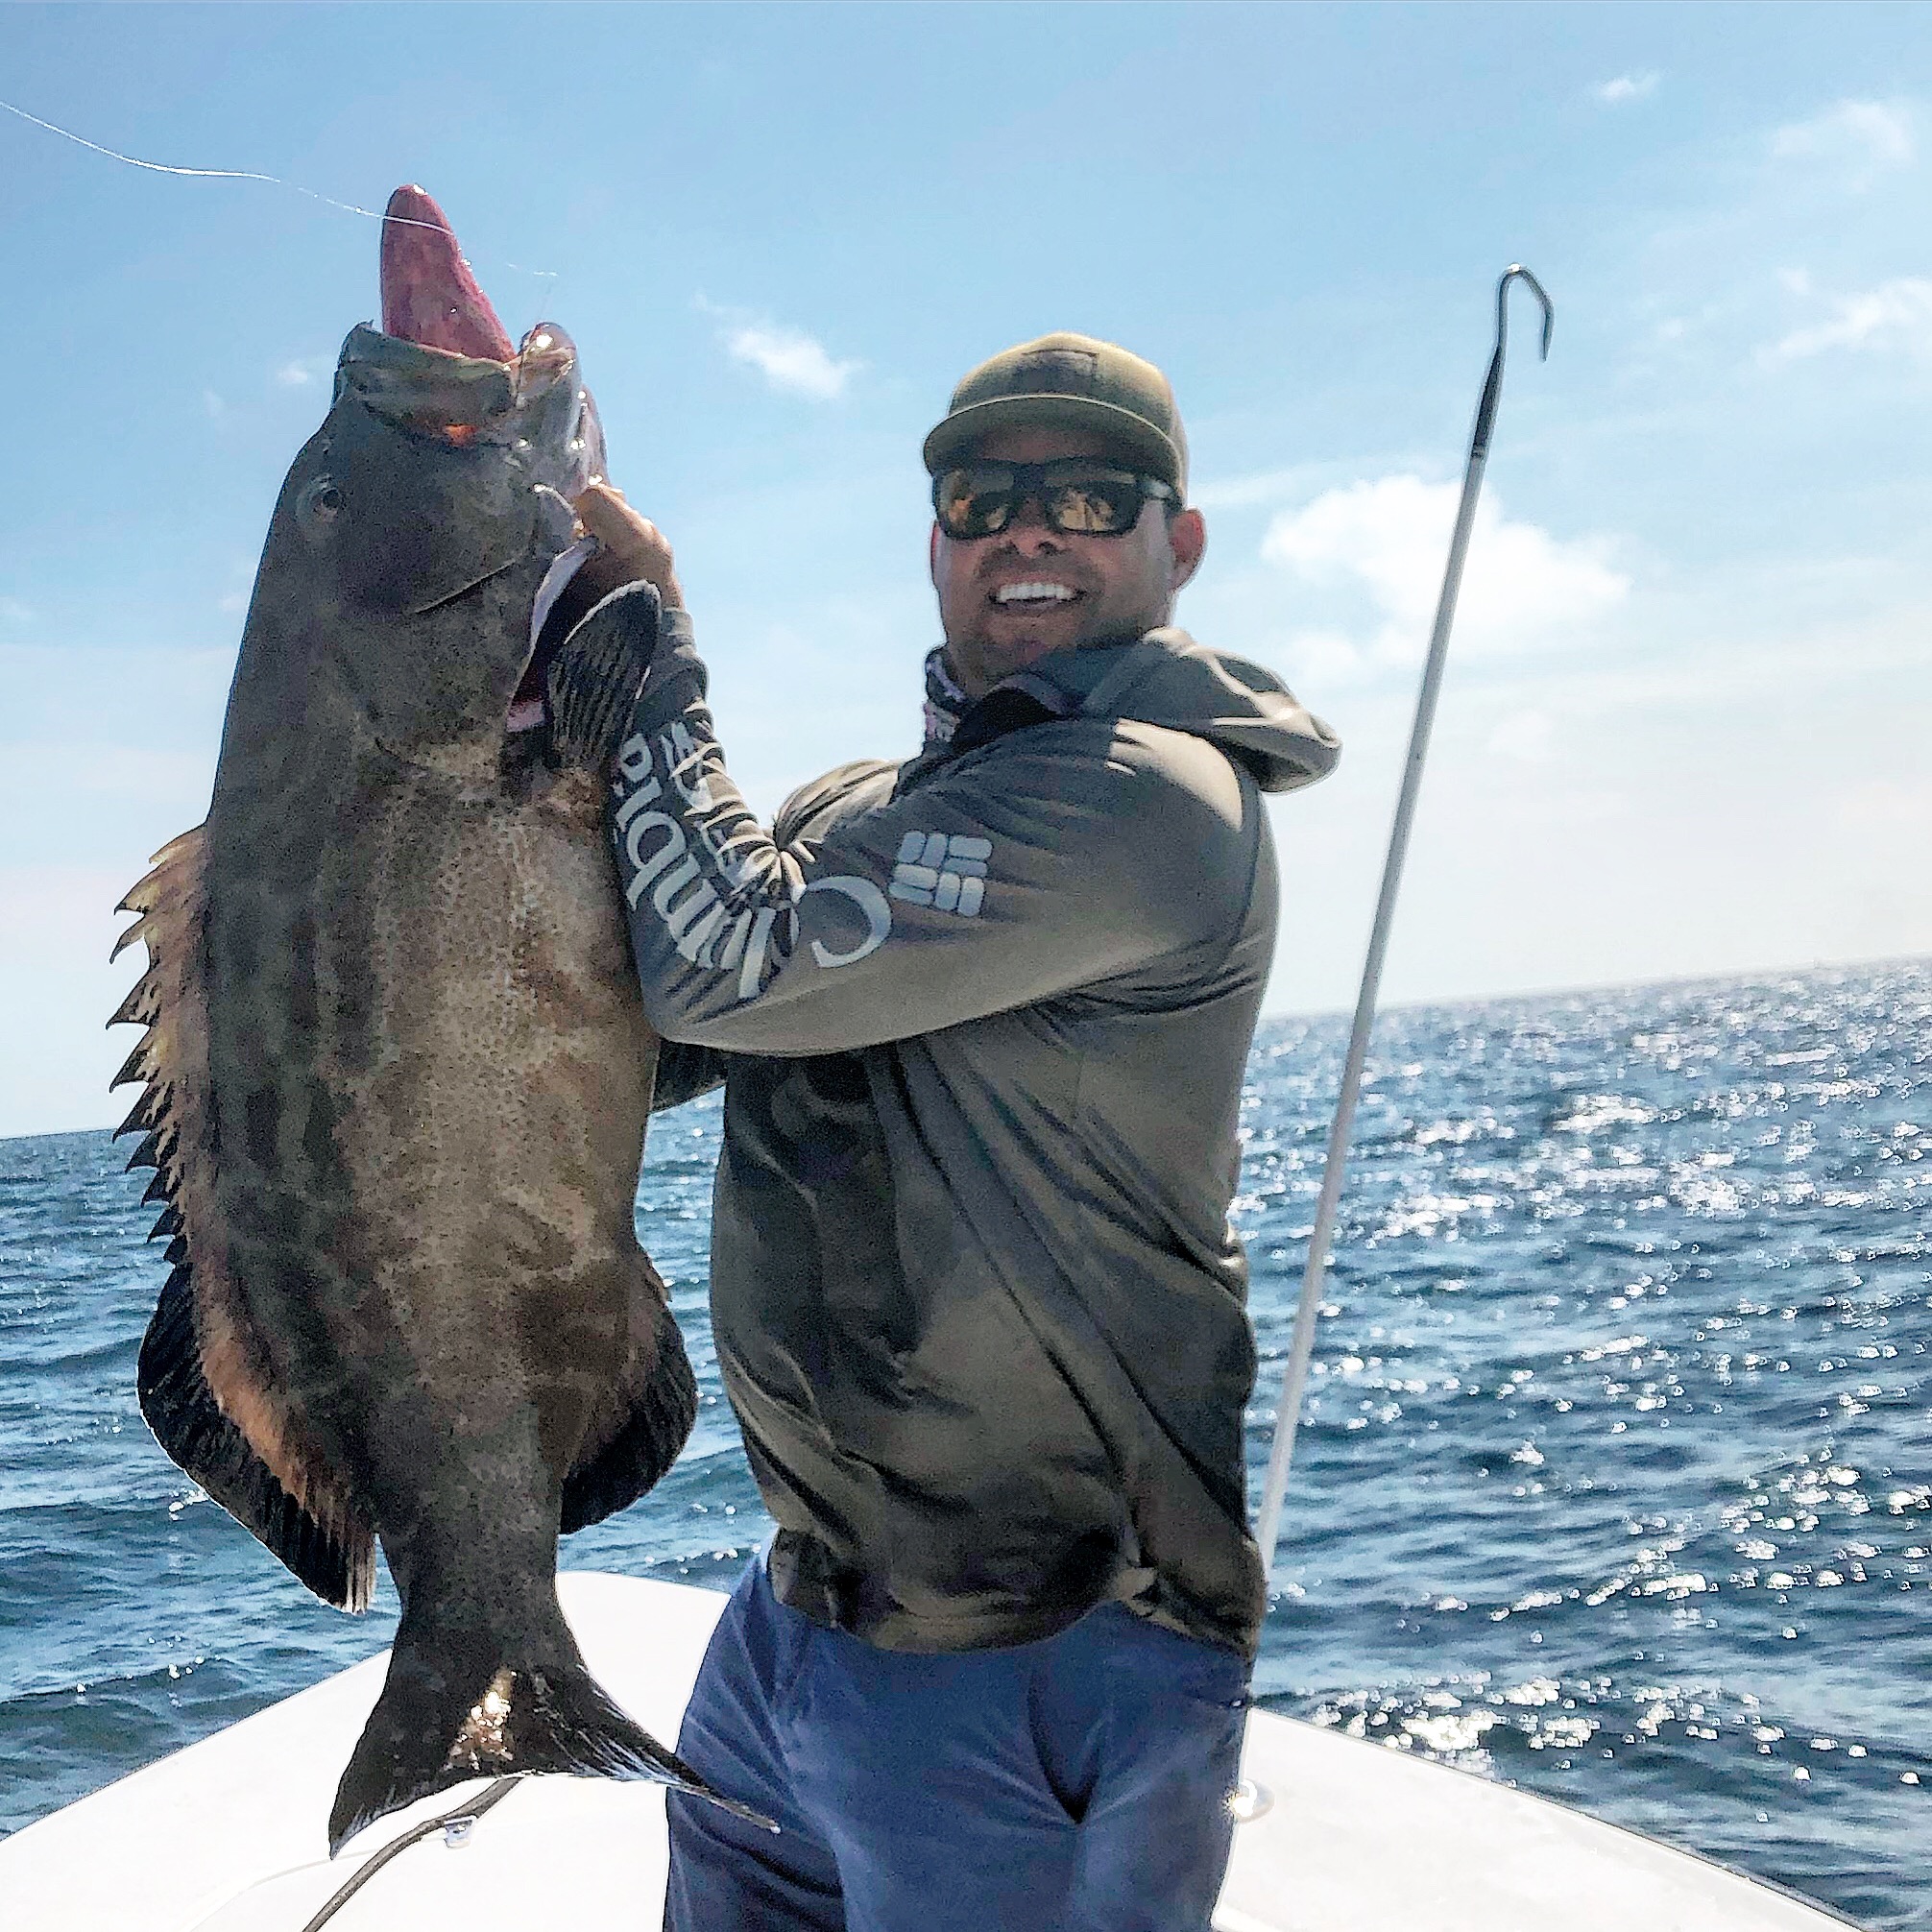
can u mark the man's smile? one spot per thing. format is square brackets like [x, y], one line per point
[1033, 593]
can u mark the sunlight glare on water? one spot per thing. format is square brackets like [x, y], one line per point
[1615, 1479]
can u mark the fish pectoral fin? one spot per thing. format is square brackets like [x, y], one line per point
[315, 1531]
[455, 1706]
[645, 1427]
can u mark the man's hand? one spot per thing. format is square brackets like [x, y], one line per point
[593, 682]
[633, 549]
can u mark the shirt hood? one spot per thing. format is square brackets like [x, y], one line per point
[1166, 678]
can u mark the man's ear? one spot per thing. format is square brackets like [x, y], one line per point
[1187, 538]
[933, 556]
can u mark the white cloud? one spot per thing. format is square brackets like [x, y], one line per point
[1384, 544]
[1321, 658]
[293, 375]
[1895, 314]
[1527, 736]
[1626, 88]
[213, 403]
[1256, 488]
[15, 612]
[1880, 805]
[1863, 135]
[789, 359]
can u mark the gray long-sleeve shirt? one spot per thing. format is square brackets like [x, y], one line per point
[975, 1299]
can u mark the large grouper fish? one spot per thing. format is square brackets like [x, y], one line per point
[396, 1072]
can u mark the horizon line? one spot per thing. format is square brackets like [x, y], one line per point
[1738, 976]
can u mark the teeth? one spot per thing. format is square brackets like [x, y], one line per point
[1033, 593]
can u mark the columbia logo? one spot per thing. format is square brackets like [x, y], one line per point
[942, 871]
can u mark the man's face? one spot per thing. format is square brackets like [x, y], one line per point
[1119, 586]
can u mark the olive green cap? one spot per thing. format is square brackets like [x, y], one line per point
[1068, 382]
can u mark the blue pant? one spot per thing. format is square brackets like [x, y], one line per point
[1080, 1783]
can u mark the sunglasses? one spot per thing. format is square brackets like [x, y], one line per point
[1079, 496]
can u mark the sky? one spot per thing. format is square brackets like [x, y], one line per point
[1686, 720]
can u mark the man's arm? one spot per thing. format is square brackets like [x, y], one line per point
[1045, 861]
[1032, 868]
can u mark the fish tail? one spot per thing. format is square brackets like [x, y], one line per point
[456, 1705]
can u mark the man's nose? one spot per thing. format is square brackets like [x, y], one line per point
[1028, 525]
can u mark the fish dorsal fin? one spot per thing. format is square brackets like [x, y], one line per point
[207, 1385]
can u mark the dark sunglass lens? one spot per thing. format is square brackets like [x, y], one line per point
[1097, 506]
[974, 502]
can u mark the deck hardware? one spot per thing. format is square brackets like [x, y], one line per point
[1249, 1800]
[455, 1825]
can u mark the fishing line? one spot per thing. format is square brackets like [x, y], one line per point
[251, 175]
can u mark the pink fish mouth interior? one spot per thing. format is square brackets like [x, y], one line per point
[428, 294]
[431, 298]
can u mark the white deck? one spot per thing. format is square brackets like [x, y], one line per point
[228, 1835]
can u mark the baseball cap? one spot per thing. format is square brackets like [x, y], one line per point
[1067, 381]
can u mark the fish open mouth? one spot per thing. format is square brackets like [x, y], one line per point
[431, 298]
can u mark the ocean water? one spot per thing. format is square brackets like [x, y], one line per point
[1615, 1480]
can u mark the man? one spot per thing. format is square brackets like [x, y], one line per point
[982, 1019]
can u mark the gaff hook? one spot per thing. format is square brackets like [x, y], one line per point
[1492, 389]
[1516, 272]
[1288, 1412]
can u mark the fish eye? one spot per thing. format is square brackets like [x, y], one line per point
[318, 506]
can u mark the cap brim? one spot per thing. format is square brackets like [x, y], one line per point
[1132, 437]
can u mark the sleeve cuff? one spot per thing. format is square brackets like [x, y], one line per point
[677, 677]
[623, 606]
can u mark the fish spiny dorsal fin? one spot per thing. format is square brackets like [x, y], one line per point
[137, 1066]
[207, 1385]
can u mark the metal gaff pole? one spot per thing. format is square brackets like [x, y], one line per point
[1287, 1414]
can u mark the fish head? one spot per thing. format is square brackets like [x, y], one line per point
[428, 521]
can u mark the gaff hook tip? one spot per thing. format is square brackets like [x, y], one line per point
[1516, 272]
